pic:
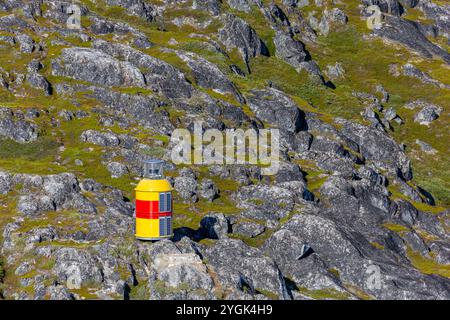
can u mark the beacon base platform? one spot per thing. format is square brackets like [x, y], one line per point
[153, 239]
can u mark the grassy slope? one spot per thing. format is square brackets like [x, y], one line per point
[345, 46]
[366, 64]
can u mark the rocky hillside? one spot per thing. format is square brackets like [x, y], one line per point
[364, 185]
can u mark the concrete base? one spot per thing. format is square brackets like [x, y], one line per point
[153, 239]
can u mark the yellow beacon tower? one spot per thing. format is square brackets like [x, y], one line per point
[153, 203]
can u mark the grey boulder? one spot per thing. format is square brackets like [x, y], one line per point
[215, 226]
[237, 33]
[97, 67]
[276, 108]
[239, 266]
[428, 114]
